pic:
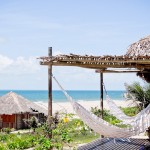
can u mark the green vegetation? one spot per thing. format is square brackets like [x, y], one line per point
[108, 117]
[130, 111]
[32, 122]
[139, 94]
[16, 141]
[67, 131]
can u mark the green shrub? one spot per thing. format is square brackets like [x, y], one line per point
[3, 137]
[2, 146]
[45, 145]
[106, 115]
[131, 111]
[13, 145]
[6, 130]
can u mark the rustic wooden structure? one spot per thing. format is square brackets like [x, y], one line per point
[136, 60]
[137, 56]
[14, 108]
[98, 62]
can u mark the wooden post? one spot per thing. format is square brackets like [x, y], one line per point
[15, 126]
[101, 96]
[49, 87]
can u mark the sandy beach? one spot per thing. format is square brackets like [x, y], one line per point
[67, 108]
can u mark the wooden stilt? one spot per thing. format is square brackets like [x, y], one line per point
[101, 97]
[50, 85]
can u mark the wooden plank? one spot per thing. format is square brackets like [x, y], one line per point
[99, 66]
[146, 61]
[120, 71]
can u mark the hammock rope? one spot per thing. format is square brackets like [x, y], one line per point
[117, 112]
[99, 125]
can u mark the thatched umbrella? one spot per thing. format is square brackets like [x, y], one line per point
[12, 103]
[139, 49]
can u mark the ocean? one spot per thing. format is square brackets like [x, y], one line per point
[58, 96]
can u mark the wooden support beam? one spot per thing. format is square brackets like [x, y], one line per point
[119, 71]
[101, 97]
[97, 66]
[101, 94]
[49, 87]
[97, 60]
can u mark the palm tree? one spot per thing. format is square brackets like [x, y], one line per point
[139, 94]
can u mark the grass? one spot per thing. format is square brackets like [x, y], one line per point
[87, 138]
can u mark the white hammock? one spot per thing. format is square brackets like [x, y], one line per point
[99, 125]
[117, 112]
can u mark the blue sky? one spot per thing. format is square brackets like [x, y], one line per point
[28, 28]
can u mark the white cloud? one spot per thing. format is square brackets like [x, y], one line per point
[5, 62]
[18, 66]
[71, 78]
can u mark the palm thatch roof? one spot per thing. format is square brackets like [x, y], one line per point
[140, 48]
[11, 103]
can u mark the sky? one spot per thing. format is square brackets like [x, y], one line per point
[97, 27]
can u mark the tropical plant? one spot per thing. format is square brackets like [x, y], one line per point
[32, 122]
[6, 130]
[130, 111]
[106, 115]
[140, 94]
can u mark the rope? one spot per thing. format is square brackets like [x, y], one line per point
[101, 126]
[65, 93]
[134, 120]
[105, 89]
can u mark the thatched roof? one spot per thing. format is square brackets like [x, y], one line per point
[140, 48]
[12, 103]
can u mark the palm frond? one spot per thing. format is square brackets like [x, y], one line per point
[138, 93]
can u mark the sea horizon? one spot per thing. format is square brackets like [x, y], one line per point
[58, 96]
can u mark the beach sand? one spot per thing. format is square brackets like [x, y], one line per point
[67, 108]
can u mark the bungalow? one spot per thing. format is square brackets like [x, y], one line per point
[14, 108]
